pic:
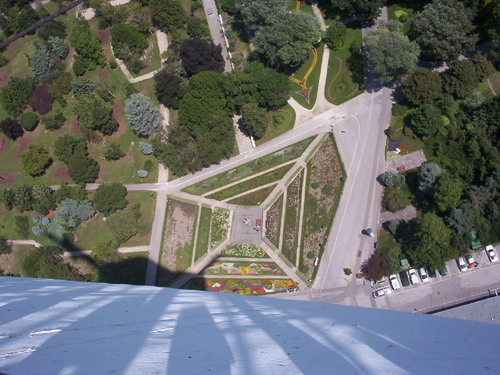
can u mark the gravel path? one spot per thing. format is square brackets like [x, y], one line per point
[410, 161]
[407, 214]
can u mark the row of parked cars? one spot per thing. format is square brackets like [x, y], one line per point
[411, 276]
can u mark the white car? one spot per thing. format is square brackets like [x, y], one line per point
[413, 276]
[394, 282]
[462, 264]
[423, 275]
[492, 255]
[382, 292]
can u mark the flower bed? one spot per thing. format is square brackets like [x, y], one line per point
[242, 268]
[220, 226]
[242, 286]
[243, 250]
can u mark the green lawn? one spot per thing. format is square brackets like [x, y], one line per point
[253, 183]
[345, 76]
[253, 199]
[413, 143]
[484, 88]
[203, 233]
[153, 59]
[280, 121]
[248, 169]
[312, 80]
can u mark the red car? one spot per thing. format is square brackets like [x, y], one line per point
[471, 262]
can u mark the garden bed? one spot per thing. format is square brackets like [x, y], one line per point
[203, 233]
[243, 250]
[241, 286]
[273, 222]
[219, 228]
[242, 268]
[255, 198]
[292, 217]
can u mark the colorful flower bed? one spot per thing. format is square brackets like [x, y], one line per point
[220, 226]
[242, 268]
[241, 286]
[244, 250]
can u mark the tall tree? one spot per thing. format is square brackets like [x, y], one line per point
[423, 86]
[335, 35]
[15, 95]
[365, 10]
[110, 198]
[95, 114]
[144, 118]
[460, 79]
[428, 176]
[444, 30]
[87, 45]
[168, 15]
[255, 119]
[74, 212]
[11, 128]
[200, 55]
[448, 192]
[82, 169]
[426, 120]
[170, 88]
[35, 160]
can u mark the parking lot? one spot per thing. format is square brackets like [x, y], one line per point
[443, 291]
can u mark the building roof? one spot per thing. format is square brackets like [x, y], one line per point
[486, 310]
[63, 327]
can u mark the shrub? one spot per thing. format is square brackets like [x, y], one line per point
[79, 67]
[54, 121]
[36, 160]
[278, 120]
[41, 100]
[110, 198]
[112, 151]
[304, 269]
[29, 121]
[146, 148]
[142, 173]
[393, 226]
[15, 95]
[3, 60]
[143, 116]
[37, 231]
[310, 255]
[113, 64]
[393, 201]
[347, 271]
[392, 179]
[127, 35]
[42, 61]
[11, 128]
[148, 165]
[71, 213]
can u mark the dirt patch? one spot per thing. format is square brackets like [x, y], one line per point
[70, 59]
[273, 222]
[8, 178]
[177, 240]
[4, 79]
[61, 173]
[75, 126]
[104, 38]
[22, 146]
[119, 116]
[104, 74]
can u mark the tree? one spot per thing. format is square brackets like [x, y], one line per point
[448, 192]
[82, 169]
[288, 39]
[95, 114]
[228, 6]
[36, 160]
[484, 68]
[44, 199]
[14, 96]
[41, 100]
[258, 12]
[428, 176]
[46, 262]
[112, 151]
[391, 54]
[170, 88]
[11, 128]
[126, 35]
[460, 79]
[5, 246]
[110, 198]
[58, 47]
[144, 118]
[444, 30]
[68, 145]
[167, 15]
[426, 120]
[459, 221]
[52, 28]
[365, 10]
[76, 192]
[72, 213]
[23, 198]
[123, 225]
[428, 244]
[335, 35]
[374, 268]
[42, 61]
[423, 86]
[200, 55]
[83, 87]
[60, 86]
[106, 252]
[392, 179]
[255, 119]
[86, 45]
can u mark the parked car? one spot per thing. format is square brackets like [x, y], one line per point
[492, 255]
[470, 261]
[432, 274]
[394, 282]
[443, 271]
[462, 266]
[403, 275]
[413, 276]
[423, 275]
[382, 292]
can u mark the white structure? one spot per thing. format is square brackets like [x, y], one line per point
[61, 327]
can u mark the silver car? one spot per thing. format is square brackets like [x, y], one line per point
[462, 264]
[382, 292]
[492, 255]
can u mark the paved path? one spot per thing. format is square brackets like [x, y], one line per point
[406, 162]
[216, 30]
[407, 214]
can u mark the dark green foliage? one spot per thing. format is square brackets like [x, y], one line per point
[87, 46]
[79, 67]
[110, 198]
[200, 55]
[22, 225]
[335, 35]
[54, 121]
[448, 192]
[15, 95]
[35, 160]
[83, 87]
[68, 145]
[52, 28]
[392, 179]
[123, 225]
[95, 114]
[393, 226]
[423, 86]
[426, 120]
[393, 200]
[167, 15]
[107, 14]
[3, 60]
[11, 128]
[17, 18]
[391, 258]
[364, 10]
[29, 121]
[44, 199]
[41, 100]
[126, 37]
[106, 252]
[113, 151]
[148, 165]
[5, 246]
[460, 79]
[197, 28]
[170, 88]
[255, 119]
[444, 30]
[46, 262]
[82, 169]
[228, 6]
[60, 86]
[76, 192]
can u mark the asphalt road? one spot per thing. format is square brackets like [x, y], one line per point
[216, 30]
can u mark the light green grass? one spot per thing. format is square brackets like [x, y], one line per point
[484, 89]
[312, 80]
[253, 183]
[255, 198]
[345, 77]
[273, 129]
[203, 233]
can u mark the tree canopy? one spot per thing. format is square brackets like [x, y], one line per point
[200, 55]
[127, 36]
[255, 119]
[335, 35]
[87, 45]
[95, 114]
[365, 10]
[423, 86]
[167, 15]
[170, 88]
[35, 160]
[144, 118]
[110, 198]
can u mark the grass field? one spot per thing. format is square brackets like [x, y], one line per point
[280, 121]
[255, 198]
[251, 184]
[203, 233]
[345, 76]
[312, 80]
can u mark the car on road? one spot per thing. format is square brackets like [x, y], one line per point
[492, 255]
[413, 276]
[210, 11]
[403, 275]
[423, 275]
[432, 274]
[443, 271]
[394, 282]
[382, 292]
[462, 266]
[470, 261]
